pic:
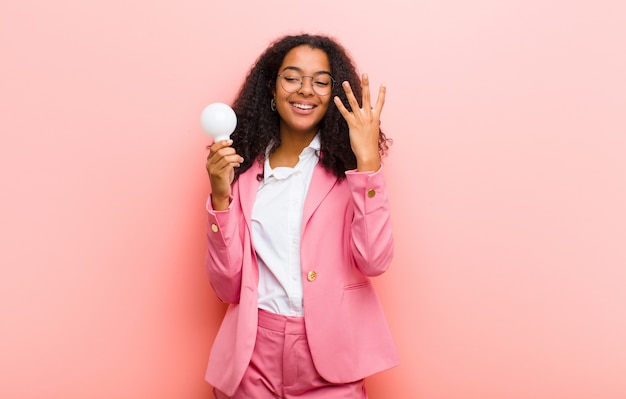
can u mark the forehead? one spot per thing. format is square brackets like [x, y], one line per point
[306, 59]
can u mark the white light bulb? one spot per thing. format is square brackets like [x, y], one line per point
[218, 120]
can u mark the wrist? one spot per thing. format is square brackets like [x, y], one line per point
[220, 203]
[368, 164]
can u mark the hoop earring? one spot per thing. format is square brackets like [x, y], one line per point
[273, 104]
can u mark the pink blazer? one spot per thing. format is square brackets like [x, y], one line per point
[346, 238]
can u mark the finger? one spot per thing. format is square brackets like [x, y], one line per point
[382, 92]
[223, 167]
[220, 144]
[354, 104]
[342, 108]
[222, 158]
[231, 161]
[365, 87]
[220, 149]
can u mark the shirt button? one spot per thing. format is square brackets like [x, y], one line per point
[371, 193]
[311, 276]
[214, 228]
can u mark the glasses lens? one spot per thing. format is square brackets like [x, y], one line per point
[322, 84]
[292, 81]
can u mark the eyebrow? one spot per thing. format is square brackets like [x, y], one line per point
[298, 69]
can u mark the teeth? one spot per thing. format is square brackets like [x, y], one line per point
[302, 106]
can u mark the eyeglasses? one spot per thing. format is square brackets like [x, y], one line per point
[292, 82]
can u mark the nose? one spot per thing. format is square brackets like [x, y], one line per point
[307, 88]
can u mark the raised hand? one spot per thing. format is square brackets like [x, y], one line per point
[364, 124]
[220, 165]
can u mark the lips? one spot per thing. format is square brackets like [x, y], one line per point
[304, 107]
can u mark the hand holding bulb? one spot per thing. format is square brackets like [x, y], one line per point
[219, 120]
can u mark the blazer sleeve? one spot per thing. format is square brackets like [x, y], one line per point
[372, 236]
[224, 256]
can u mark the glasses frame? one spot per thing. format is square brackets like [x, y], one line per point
[332, 83]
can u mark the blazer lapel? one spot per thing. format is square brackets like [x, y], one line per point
[248, 186]
[322, 182]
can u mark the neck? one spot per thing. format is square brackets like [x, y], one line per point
[291, 145]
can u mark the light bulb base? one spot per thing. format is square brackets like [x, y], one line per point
[221, 138]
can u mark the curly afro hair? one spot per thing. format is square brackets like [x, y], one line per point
[258, 126]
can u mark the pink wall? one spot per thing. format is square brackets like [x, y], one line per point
[507, 177]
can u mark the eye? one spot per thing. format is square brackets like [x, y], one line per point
[322, 80]
[292, 77]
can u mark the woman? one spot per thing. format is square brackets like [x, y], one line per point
[298, 220]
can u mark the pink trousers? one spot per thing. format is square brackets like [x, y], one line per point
[282, 367]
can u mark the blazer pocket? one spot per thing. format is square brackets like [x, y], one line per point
[356, 286]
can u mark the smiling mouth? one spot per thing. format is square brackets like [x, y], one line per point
[303, 106]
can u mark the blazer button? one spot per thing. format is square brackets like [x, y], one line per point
[371, 193]
[214, 228]
[311, 276]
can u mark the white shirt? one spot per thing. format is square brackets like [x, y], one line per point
[276, 229]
